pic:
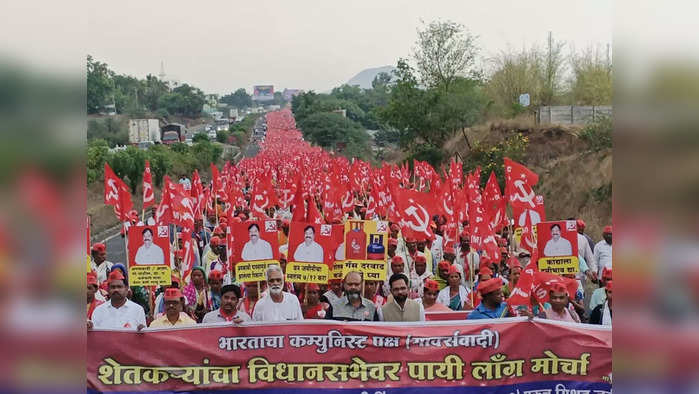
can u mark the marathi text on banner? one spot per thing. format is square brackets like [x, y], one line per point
[306, 272]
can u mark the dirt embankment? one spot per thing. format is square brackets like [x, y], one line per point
[574, 181]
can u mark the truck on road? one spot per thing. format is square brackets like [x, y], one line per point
[173, 132]
[144, 130]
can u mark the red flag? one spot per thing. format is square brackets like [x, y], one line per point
[148, 196]
[299, 209]
[163, 215]
[314, 215]
[544, 280]
[415, 209]
[519, 188]
[495, 204]
[111, 186]
[183, 211]
[188, 260]
[521, 294]
[527, 239]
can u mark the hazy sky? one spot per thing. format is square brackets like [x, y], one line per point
[223, 45]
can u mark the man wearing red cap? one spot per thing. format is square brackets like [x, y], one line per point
[212, 260]
[119, 312]
[174, 305]
[602, 314]
[92, 288]
[560, 307]
[392, 246]
[429, 297]
[599, 295]
[159, 304]
[418, 275]
[442, 273]
[585, 252]
[603, 252]
[397, 266]
[99, 263]
[515, 271]
[581, 230]
[492, 305]
[215, 282]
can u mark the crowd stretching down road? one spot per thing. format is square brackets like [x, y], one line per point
[440, 245]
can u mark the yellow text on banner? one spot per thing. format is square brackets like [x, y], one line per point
[297, 272]
[252, 271]
[559, 265]
[149, 275]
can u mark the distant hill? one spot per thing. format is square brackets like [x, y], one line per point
[365, 77]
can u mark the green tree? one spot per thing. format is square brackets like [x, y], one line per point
[239, 99]
[222, 136]
[444, 50]
[184, 100]
[129, 165]
[591, 83]
[100, 86]
[97, 155]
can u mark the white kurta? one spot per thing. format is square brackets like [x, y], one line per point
[151, 255]
[312, 253]
[268, 310]
[260, 250]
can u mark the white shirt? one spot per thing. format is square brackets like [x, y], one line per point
[562, 247]
[260, 250]
[436, 250]
[149, 255]
[444, 298]
[585, 252]
[268, 310]
[129, 315]
[309, 254]
[101, 269]
[602, 256]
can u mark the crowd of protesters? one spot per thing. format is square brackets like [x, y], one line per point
[423, 276]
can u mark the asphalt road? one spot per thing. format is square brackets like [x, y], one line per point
[116, 249]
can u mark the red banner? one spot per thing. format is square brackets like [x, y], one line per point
[503, 355]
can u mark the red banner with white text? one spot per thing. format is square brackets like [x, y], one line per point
[502, 355]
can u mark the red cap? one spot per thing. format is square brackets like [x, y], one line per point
[223, 221]
[174, 279]
[501, 241]
[410, 240]
[99, 247]
[172, 294]
[362, 209]
[243, 216]
[215, 241]
[580, 223]
[219, 230]
[179, 254]
[489, 286]
[607, 230]
[285, 222]
[395, 227]
[607, 273]
[464, 234]
[449, 249]
[484, 270]
[216, 275]
[503, 249]
[115, 275]
[237, 220]
[92, 278]
[397, 259]
[282, 256]
[443, 265]
[431, 285]
[608, 286]
[133, 214]
[454, 270]
[513, 262]
[421, 258]
[393, 241]
[312, 286]
[558, 287]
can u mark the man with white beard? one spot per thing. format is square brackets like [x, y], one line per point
[277, 305]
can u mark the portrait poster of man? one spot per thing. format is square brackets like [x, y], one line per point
[557, 243]
[149, 245]
[312, 243]
[255, 240]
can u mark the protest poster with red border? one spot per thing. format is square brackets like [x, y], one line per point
[557, 243]
[365, 246]
[312, 249]
[149, 255]
[456, 357]
[264, 248]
